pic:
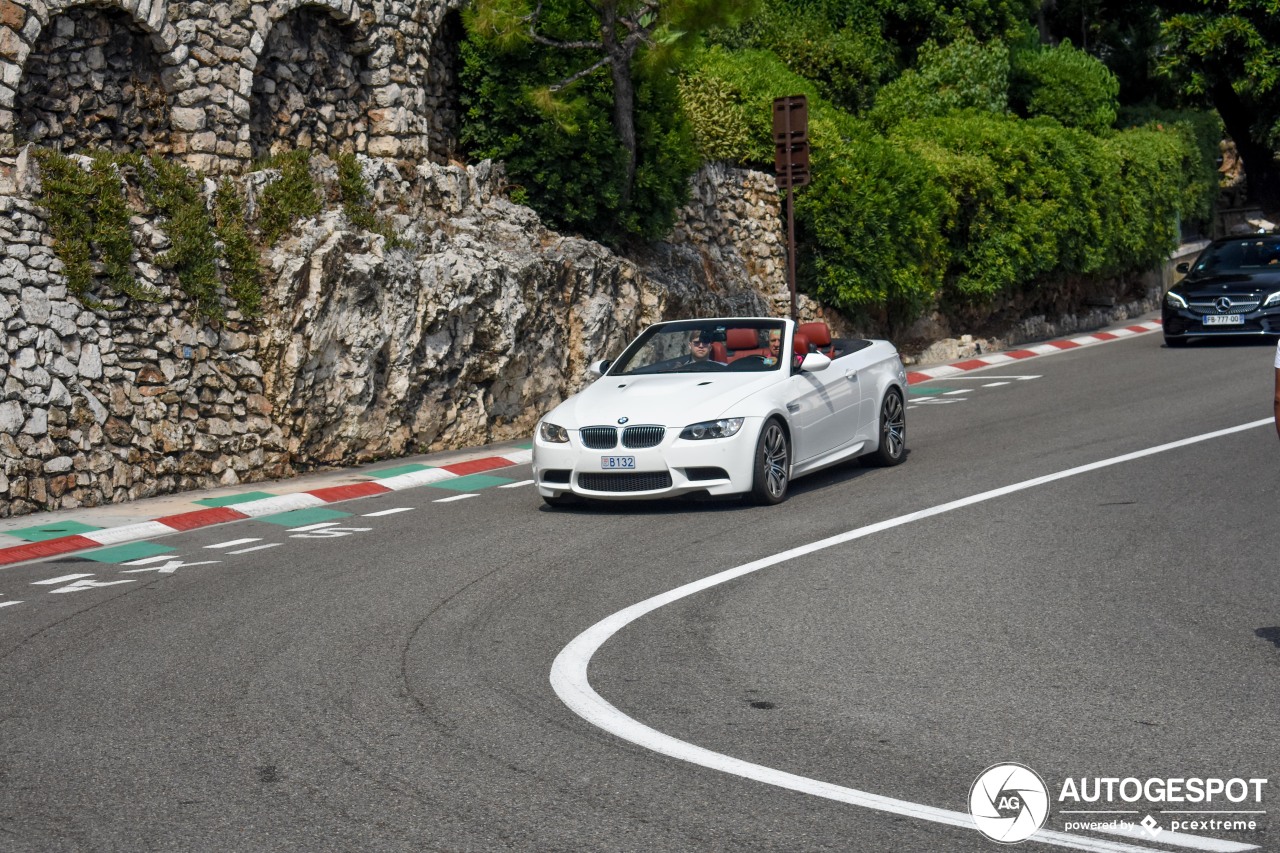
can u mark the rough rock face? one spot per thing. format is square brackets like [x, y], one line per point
[465, 333]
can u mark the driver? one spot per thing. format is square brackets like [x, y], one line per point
[700, 348]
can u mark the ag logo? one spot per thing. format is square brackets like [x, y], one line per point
[1009, 802]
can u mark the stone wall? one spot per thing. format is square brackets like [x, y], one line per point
[220, 83]
[466, 336]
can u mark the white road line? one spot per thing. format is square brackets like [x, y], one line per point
[234, 542]
[569, 671]
[62, 579]
[388, 512]
[257, 548]
[9, 603]
[953, 393]
[994, 384]
[519, 457]
[146, 560]
[456, 498]
[319, 526]
[517, 485]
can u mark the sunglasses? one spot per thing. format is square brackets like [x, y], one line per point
[700, 343]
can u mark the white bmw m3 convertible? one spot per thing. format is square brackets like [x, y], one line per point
[723, 406]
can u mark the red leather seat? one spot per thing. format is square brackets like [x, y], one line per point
[820, 336]
[799, 348]
[718, 353]
[744, 342]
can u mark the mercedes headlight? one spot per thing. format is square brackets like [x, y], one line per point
[722, 428]
[1173, 300]
[553, 433]
[1272, 300]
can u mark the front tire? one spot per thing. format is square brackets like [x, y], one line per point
[772, 475]
[558, 501]
[1174, 343]
[893, 431]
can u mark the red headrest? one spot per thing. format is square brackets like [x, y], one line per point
[737, 339]
[817, 333]
[718, 352]
[800, 345]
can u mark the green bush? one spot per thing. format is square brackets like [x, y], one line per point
[845, 56]
[962, 75]
[1030, 201]
[1065, 84]
[565, 158]
[869, 223]
[290, 198]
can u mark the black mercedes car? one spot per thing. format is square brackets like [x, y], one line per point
[1232, 288]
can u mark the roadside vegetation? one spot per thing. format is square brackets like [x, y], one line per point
[963, 154]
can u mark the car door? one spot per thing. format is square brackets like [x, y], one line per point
[823, 407]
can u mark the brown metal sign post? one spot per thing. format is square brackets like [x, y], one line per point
[791, 163]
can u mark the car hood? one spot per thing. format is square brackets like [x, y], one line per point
[1229, 284]
[669, 400]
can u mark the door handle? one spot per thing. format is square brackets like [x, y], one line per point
[793, 407]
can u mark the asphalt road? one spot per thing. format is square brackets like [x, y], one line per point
[389, 688]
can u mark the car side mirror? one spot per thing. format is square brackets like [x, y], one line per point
[598, 368]
[1183, 268]
[813, 362]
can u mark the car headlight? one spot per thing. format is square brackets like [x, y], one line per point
[722, 428]
[553, 433]
[1272, 300]
[1173, 300]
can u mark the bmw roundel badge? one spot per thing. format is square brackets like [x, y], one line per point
[623, 420]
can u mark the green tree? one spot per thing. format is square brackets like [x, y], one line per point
[1227, 52]
[622, 36]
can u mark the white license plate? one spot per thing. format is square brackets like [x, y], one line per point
[617, 463]
[1224, 320]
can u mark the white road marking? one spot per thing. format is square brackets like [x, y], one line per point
[954, 393]
[388, 512]
[519, 457]
[9, 603]
[456, 498]
[994, 384]
[257, 548]
[416, 478]
[148, 560]
[319, 526]
[62, 579]
[82, 585]
[569, 671]
[234, 542]
[517, 485]
[169, 567]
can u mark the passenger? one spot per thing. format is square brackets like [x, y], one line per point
[775, 347]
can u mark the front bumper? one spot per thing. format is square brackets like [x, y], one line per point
[1189, 323]
[717, 466]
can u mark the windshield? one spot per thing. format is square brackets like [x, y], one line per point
[702, 346]
[1246, 254]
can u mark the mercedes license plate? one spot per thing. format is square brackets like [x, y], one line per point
[617, 463]
[1224, 320]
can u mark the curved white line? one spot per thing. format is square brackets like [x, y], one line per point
[569, 671]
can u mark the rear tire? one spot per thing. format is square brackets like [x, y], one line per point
[893, 431]
[772, 473]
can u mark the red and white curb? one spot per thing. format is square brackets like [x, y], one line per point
[256, 508]
[915, 376]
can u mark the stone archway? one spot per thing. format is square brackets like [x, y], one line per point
[310, 86]
[92, 79]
